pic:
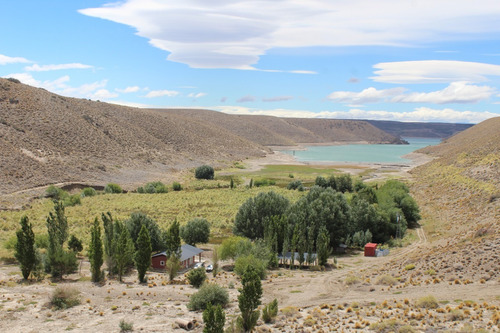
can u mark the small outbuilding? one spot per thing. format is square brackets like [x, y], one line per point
[188, 257]
[370, 249]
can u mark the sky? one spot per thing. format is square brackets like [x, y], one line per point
[404, 60]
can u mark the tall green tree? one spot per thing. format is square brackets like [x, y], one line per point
[142, 256]
[173, 240]
[249, 299]
[60, 262]
[123, 252]
[196, 231]
[134, 225]
[323, 246]
[214, 319]
[25, 248]
[109, 237]
[96, 252]
[253, 213]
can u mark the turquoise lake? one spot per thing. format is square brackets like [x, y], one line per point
[367, 153]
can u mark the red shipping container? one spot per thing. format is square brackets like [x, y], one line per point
[370, 249]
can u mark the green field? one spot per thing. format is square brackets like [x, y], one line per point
[212, 200]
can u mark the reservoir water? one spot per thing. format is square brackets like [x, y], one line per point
[368, 153]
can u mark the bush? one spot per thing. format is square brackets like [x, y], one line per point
[204, 172]
[72, 200]
[387, 280]
[75, 244]
[351, 279]
[42, 241]
[295, 185]
[270, 311]
[208, 293]
[427, 302]
[56, 193]
[113, 188]
[153, 187]
[196, 277]
[88, 192]
[65, 297]
[409, 267]
[126, 326]
[176, 186]
[243, 262]
[264, 182]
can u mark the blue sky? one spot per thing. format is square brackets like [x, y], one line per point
[414, 60]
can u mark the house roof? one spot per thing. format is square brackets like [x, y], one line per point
[187, 251]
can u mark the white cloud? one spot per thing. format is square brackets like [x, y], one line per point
[234, 34]
[51, 85]
[46, 68]
[278, 99]
[129, 90]
[456, 92]
[433, 71]
[417, 115]
[103, 94]
[369, 95]
[197, 95]
[161, 93]
[5, 60]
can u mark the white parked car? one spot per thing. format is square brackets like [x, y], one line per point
[199, 264]
[209, 268]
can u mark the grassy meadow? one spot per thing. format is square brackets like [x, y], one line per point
[213, 200]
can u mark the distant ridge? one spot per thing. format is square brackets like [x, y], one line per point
[419, 130]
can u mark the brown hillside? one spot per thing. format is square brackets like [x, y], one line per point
[459, 193]
[46, 138]
[274, 131]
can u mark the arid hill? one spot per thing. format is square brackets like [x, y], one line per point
[459, 193]
[274, 131]
[46, 138]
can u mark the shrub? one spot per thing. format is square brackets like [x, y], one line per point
[270, 311]
[264, 182]
[243, 262]
[113, 188]
[204, 172]
[153, 187]
[75, 244]
[387, 280]
[65, 297]
[295, 185]
[126, 326]
[196, 277]
[208, 293]
[56, 193]
[351, 279]
[72, 200]
[214, 319]
[176, 186]
[427, 302]
[88, 192]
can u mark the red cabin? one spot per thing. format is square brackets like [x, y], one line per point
[370, 249]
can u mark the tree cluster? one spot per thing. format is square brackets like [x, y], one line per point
[326, 217]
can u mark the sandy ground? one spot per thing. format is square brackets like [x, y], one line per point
[346, 298]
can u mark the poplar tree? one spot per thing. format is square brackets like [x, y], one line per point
[249, 299]
[323, 246]
[173, 240]
[109, 237]
[142, 256]
[96, 251]
[123, 252]
[25, 247]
